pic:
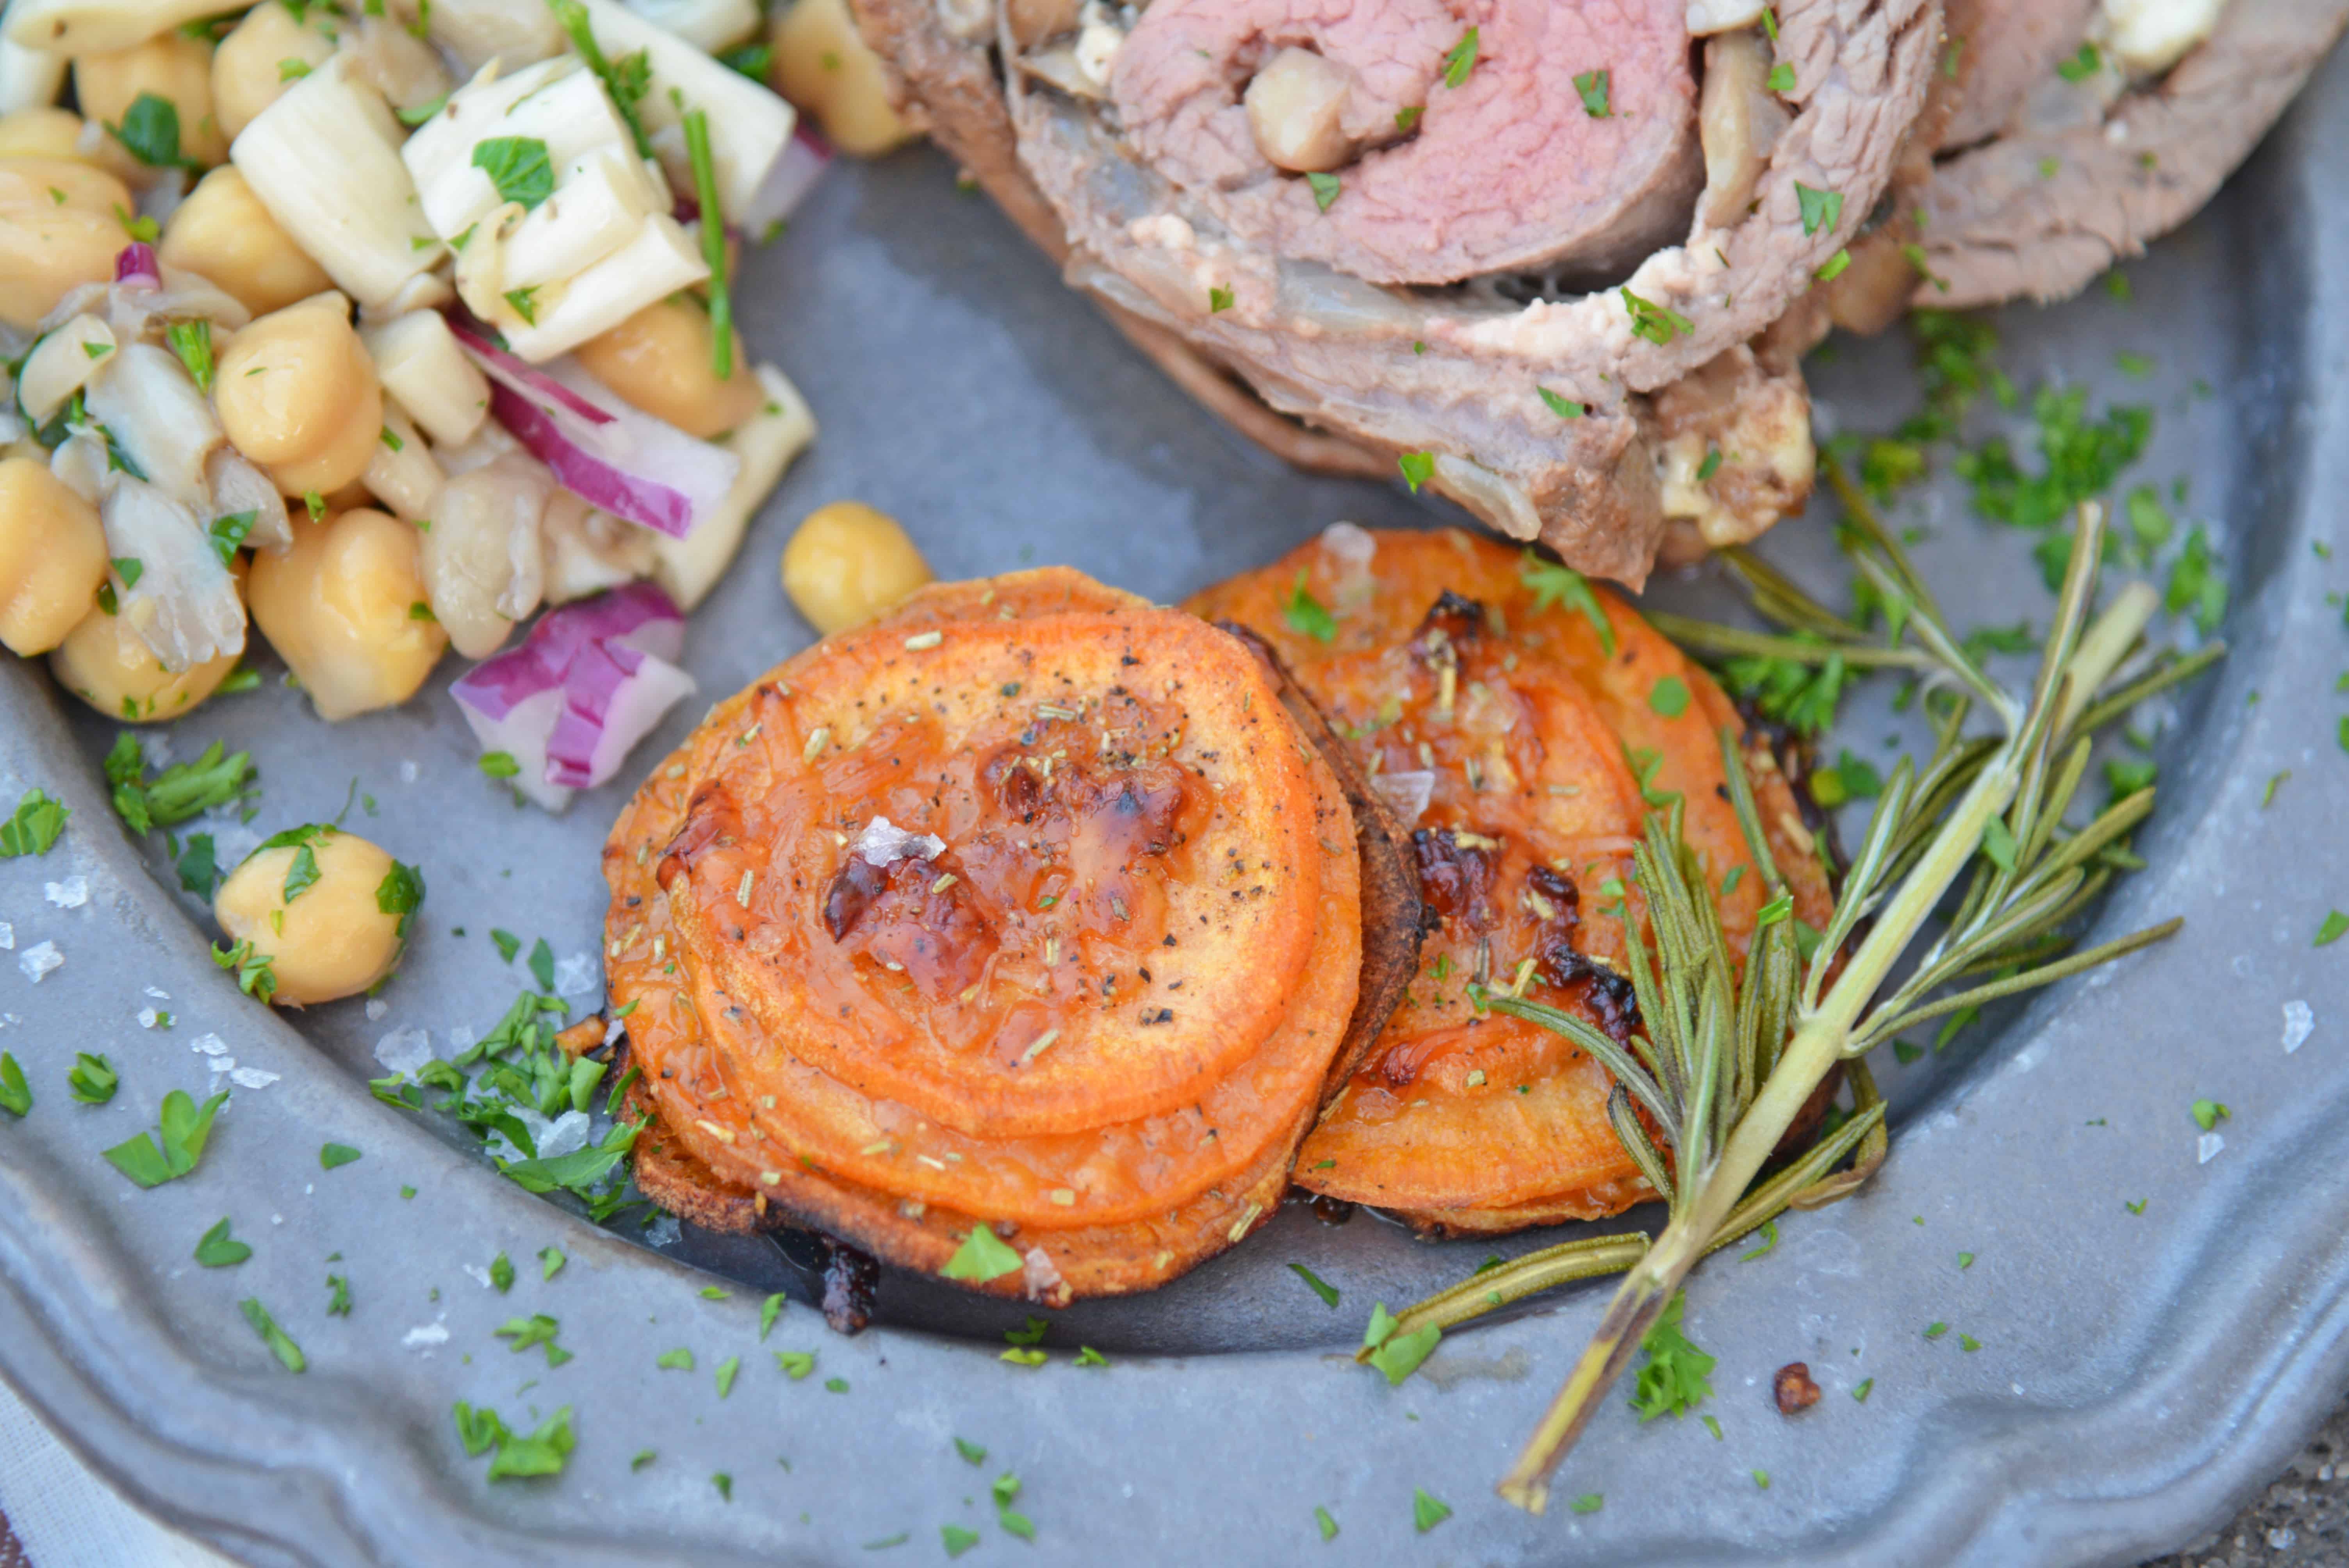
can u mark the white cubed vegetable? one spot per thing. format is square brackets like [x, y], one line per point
[61, 365]
[519, 32]
[402, 474]
[325, 161]
[149, 404]
[707, 24]
[420, 363]
[766, 442]
[99, 27]
[749, 126]
[29, 78]
[558, 102]
[600, 202]
[660, 260]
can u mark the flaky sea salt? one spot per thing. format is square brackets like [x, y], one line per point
[7, 935]
[222, 1065]
[70, 893]
[2207, 1148]
[883, 844]
[149, 1017]
[158, 993]
[409, 771]
[404, 1050]
[426, 1335]
[375, 1009]
[577, 975]
[2299, 1022]
[251, 1077]
[208, 1044]
[481, 1275]
[38, 960]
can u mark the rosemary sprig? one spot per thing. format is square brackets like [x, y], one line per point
[1729, 1057]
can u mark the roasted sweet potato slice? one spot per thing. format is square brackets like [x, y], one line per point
[797, 1114]
[1525, 744]
[1123, 793]
[750, 1131]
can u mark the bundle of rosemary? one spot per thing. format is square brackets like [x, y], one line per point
[1731, 1053]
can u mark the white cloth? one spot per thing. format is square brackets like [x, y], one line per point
[68, 1518]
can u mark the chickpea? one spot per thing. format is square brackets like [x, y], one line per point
[659, 360]
[297, 394]
[49, 246]
[171, 66]
[246, 77]
[52, 557]
[340, 606]
[821, 64]
[333, 937]
[223, 231]
[110, 666]
[40, 133]
[847, 564]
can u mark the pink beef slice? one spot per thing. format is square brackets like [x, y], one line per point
[1508, 171]
[2041, 210]
[2002, 49]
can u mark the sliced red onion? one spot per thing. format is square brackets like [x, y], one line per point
[588, 668]
[613, 696]
[632, 465]
[787, 182]
[519, 374]
[136, 265]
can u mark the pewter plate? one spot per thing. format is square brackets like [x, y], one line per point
[2137, 1373]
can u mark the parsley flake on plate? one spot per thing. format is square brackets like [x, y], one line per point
[677, 1360]
[1427, 1511]
[219, 1250]
[2210, 1113]
[956, 1539]
[1669, 696]
[34, 826]
[1589, 1502]
[333, 1155]
[727, 1370]
[2336, 924]
[796, 1365]
[502, 1273]
[551, 1261]
[1674, 1381]
[971, 1452]
[769, 1310]
[541, 1453]
[281, 1344]
[1320, 1286]
[982, 1256]
[183, 1128]
[15, 1095]
[1397, 1356]
[92, 1078]
[1325, 1524]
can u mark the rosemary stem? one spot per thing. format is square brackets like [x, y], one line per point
[2103, 645]
[1818, 1044]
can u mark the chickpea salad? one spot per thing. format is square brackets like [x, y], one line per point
[379, 328]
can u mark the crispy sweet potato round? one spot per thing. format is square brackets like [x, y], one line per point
[1120, 793]
[752, 1126]
[1522, 722]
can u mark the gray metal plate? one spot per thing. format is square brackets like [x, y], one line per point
[2137, 1372]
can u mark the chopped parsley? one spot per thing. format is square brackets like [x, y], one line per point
[1669, 696]
[92, 1078]
[1461, 60]
[1851, 779]
[1820, 208]
[338, 1296]
[182, 1131]
[1325, 188]
[1397, 1356]
[627, 81]
[2208, 1113]
[1556, 583]
[982, 1258]
[332, 1156]
[769, 1310]
[524, 302]
[1325, 1524]
[219, 1250]
[956, 1539]
[796, 1365]
[1769, 1234]
[178, 793]
[34, 826]
[281, 1344]
[1004, 1490]
[1307, 615]
[1564, 408]
[1407, 116]
[1833, 267]
[401, 892]
[1320, 1286]
[150, 132]
[713, 245]
[15, 1094]
[1592, 86]
[1219, 299]
[1861, 1392]
[507, 942]
[227, 533]
[2079, 67]
[1651, 321]
[301, 874]
[502, 1273]
[255, 974]
[193, 342]
[677, 1360]
[1782, 78]
[1426, 1511]
[519, 167]
[549, 1261]
[1935, 1330]
[543, 1452]
[536, 1329]
[1589, 1502]
[727, 1369]
[1417, 468]
[1674, 1382]
[971, 1452]
[2197, 585]
[542, 964]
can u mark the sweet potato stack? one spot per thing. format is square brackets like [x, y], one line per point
[1012, 938]
[1519, 722]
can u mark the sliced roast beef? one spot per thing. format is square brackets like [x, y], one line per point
[2086, 172]
[1370, 272]
[1998, 51]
